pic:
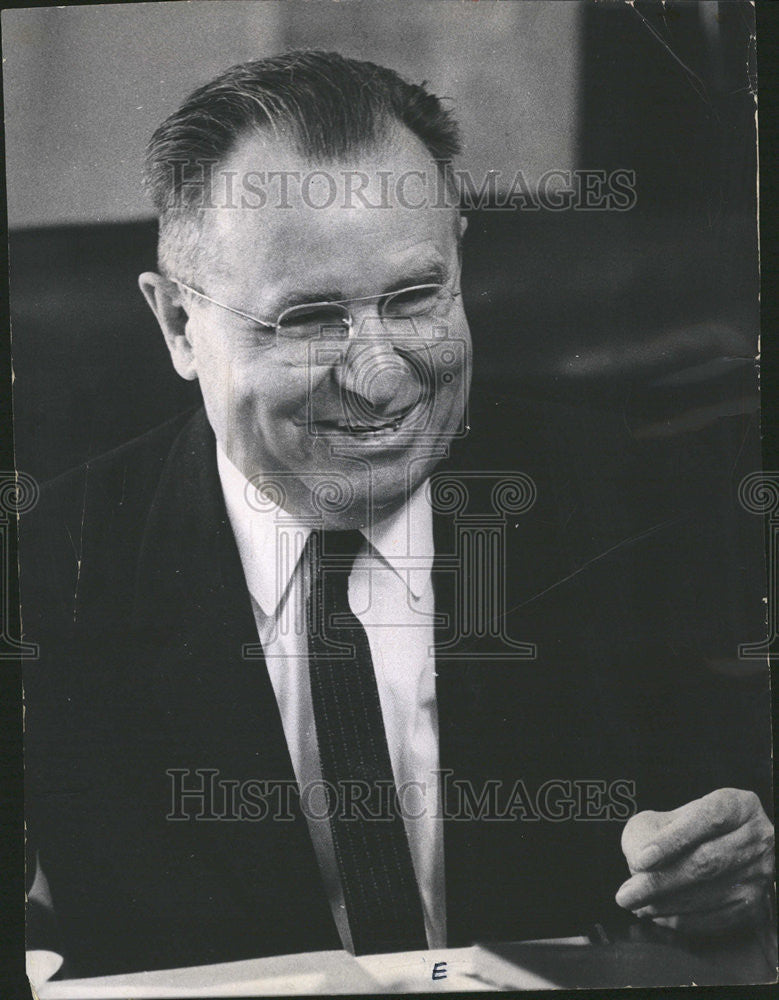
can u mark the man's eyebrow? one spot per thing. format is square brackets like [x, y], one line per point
[420, 274]
[297, 298]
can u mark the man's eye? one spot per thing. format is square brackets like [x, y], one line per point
[412, 301]
[308, 321]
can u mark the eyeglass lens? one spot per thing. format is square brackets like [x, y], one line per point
[334, 320]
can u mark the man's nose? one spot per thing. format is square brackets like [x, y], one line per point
[378, 374]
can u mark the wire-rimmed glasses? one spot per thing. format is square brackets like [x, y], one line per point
[310, 319]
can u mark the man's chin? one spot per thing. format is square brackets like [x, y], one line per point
[361, 513]
[390, 488]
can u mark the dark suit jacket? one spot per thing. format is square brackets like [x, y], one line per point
[132, 585]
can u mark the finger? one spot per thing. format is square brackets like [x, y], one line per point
[715, 814]
[639, 832]
[707, 896]
[751, 844]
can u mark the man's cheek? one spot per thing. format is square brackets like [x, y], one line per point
[214, 369]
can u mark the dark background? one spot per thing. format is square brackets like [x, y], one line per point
[660, 304]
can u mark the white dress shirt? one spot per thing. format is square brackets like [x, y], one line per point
[391, 593]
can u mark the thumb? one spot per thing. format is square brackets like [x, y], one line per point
[639, 832]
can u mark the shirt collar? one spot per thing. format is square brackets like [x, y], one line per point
[270, 541]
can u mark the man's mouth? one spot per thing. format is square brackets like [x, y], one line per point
[388, 425]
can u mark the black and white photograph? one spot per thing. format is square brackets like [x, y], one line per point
[394, 607]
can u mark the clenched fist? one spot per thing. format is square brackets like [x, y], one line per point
[700, 869]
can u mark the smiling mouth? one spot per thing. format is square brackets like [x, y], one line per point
[390, 426]
[393, 425]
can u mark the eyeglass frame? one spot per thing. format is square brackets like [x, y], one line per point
[309, 305]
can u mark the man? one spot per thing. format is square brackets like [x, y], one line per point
[282, 591]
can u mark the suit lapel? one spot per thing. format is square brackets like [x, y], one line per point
[192, 601]
[188, 559]
[195, 620]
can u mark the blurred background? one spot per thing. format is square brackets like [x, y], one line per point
[638, 329]
[88, 85]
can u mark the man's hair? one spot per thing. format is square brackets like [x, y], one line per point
[328, 107]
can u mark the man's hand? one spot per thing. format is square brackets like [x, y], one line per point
[700, 869]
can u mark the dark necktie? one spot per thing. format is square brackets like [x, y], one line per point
[371, 848]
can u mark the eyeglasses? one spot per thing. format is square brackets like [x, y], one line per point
[310, 319]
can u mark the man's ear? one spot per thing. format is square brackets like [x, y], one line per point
[463, 225]
[164, 298]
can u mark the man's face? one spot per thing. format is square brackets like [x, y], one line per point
[371, 412]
